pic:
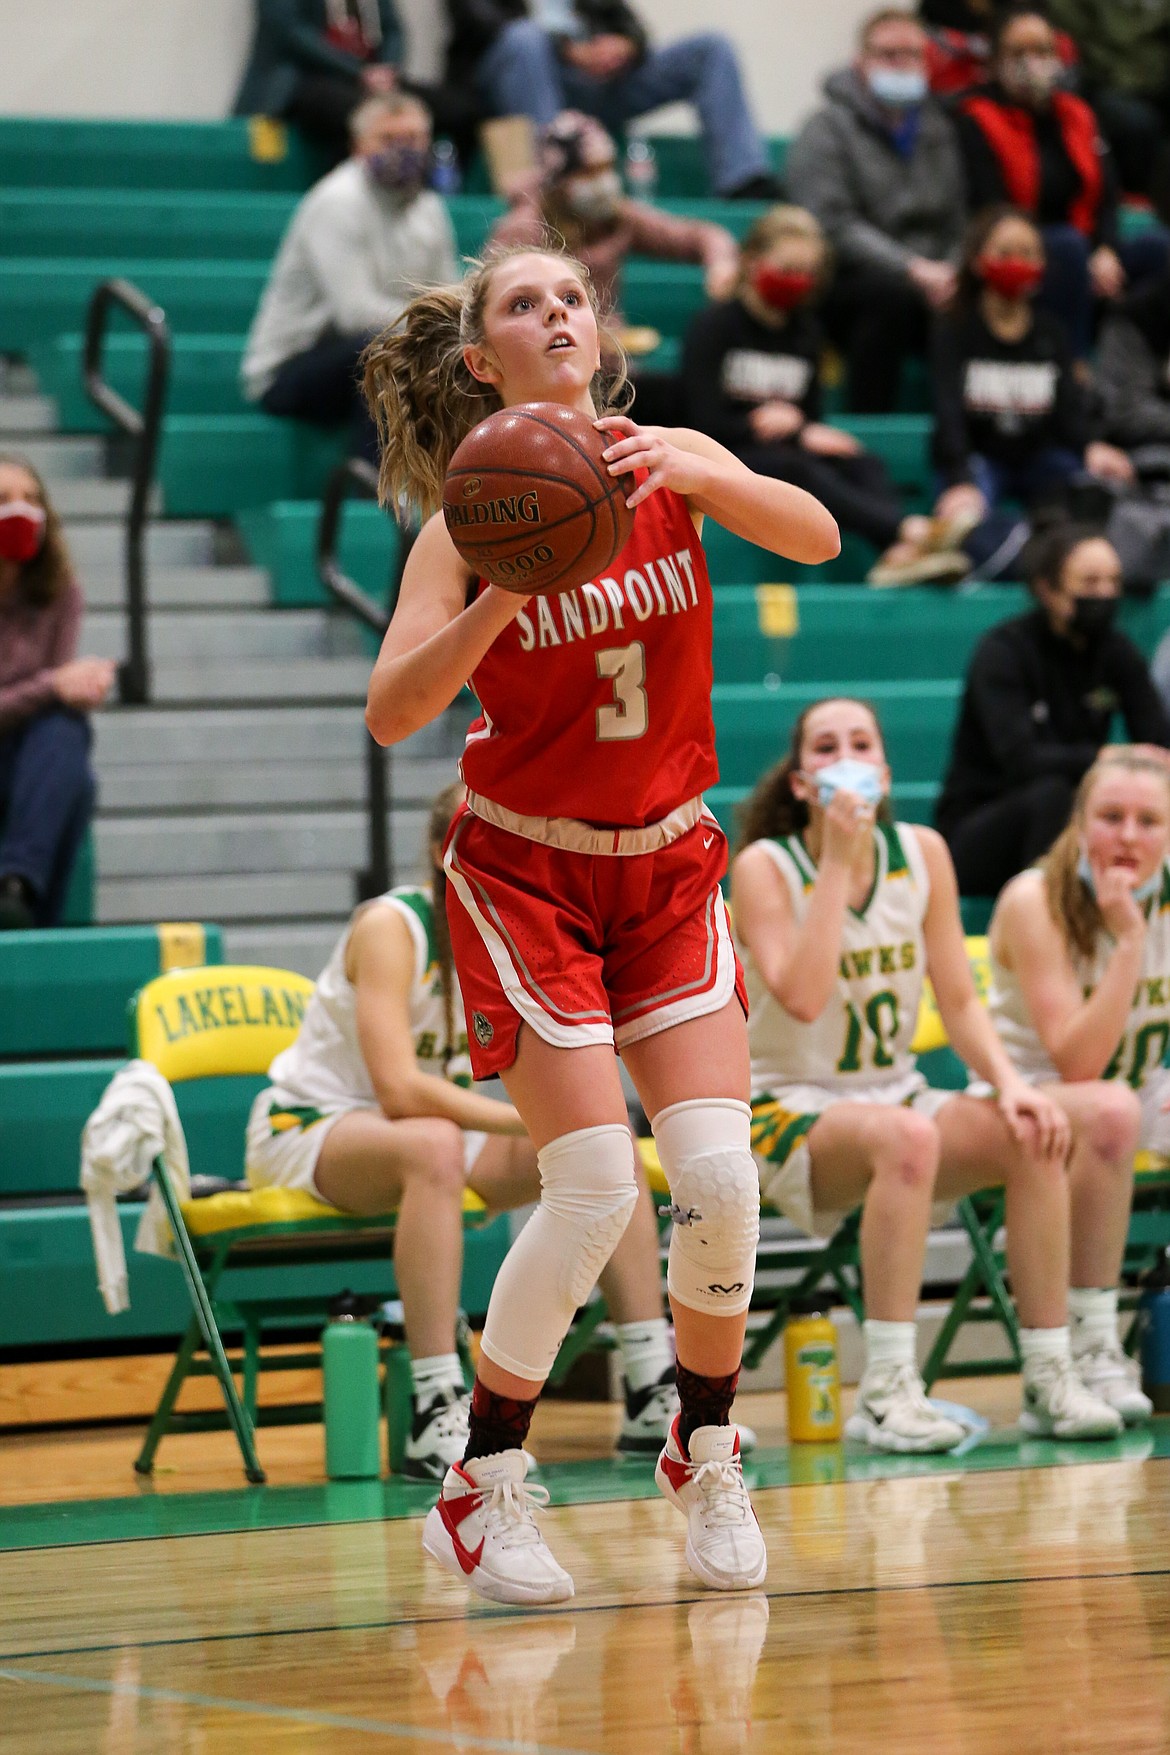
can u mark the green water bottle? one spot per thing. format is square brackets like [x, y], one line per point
[349, 1364]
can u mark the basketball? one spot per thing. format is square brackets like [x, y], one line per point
[529, 503]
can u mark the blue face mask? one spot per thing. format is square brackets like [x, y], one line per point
[1141, 893]
[862, 779]
[899, 88]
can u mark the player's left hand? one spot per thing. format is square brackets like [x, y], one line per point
[649, 448]
[1034, 1119]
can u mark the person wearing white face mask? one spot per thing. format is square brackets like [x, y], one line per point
[879, 166]
[841, 914]
[1080, 964]
[358, 245]
[1028, 141]
[46, 787]
[580, 198]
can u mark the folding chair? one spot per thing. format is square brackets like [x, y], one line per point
[227, 1024]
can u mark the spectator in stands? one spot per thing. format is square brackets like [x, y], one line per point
[1028, 142]
[1011, 419]
[370, 1109]
[313, 61]
[358, 246]
[1039, 699]
[596, 56]
[580, 199]
[959, 46]
[751, 371]
[46, 787]
[880, 167]
[1124, 53]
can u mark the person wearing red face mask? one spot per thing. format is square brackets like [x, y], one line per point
[751, 373]
[1011, 419]
[46, 788]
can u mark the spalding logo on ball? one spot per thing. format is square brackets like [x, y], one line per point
[530, 504]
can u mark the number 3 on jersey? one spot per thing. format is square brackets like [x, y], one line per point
[628, 714]
[881, 1021]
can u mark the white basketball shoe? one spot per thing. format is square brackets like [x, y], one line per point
[725, 1545]
[1058, 1405]
[483, 1530]
[1110, 1374]
[892, 1413]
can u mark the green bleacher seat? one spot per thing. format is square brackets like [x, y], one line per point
[66, 992]
[282, 537]
[140, 222]
[852, 634]
[753, 723]
[204, 376]
[682, 167]
[211, 465]
[44, 1106]
[43, 296]
[40, 151]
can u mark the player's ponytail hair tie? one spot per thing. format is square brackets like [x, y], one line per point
[420, 392]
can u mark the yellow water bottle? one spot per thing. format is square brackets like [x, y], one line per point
[811, 1379]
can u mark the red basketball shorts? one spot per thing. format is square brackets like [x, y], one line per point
[584, 947]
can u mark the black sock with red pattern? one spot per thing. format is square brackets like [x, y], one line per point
[496, 1422]
[705, 1401]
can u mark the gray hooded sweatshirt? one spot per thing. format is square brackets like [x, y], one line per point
[878, 207]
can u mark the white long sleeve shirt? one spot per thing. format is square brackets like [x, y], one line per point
[351, 259]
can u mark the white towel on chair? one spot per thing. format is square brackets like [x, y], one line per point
[135, 1122]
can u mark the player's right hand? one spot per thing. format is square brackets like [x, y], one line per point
[847, 820]
[1122, 915]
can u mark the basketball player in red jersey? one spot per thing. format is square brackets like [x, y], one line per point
[584, 903]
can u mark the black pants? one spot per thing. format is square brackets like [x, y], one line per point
[321, 386]
[876, 319]
[1009, 834]
[856, 490]
[322, 103]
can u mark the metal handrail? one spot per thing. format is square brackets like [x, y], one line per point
[356, 477]
[142, 425]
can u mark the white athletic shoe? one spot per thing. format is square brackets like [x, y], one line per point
[892, 1413]
[483, 1530]
[1110, 1374]
[725, 1546]
[1058, 1405]
[649, 1415]
[438, 1438]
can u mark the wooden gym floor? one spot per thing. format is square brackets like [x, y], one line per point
[1014, 1598]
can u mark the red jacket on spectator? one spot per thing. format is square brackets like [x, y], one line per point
[1010, 132]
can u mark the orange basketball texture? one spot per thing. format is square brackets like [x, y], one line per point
[529, 503]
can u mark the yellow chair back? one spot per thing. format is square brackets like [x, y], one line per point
[226, 1019]
[930, 1032]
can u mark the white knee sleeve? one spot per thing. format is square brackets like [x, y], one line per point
[587, 1196]
[705, 1148]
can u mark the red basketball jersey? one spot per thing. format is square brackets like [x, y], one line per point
[596, 702]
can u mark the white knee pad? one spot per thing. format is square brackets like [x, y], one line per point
[705, 1148]
[587, 1195]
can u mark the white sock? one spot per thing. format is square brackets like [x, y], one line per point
[1037, 1344]
[431, 1376]
[890, 1343]
[1093, 1317]
[646, 1351]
